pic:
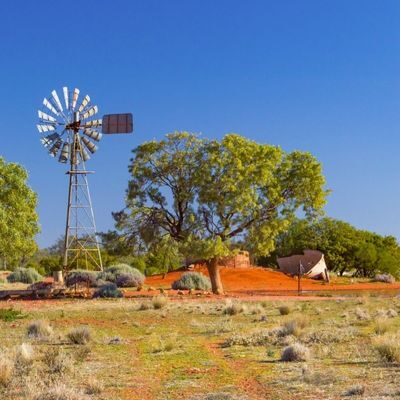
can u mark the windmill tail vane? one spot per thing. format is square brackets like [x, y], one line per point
[70, 130]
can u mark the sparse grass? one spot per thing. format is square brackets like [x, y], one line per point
[192, 349]
[6, 371]
[356, 390]
[79, 335]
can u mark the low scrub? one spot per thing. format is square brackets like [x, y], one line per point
[81, 277]
[296, 352]
[109, 290]
[6, 371]
[24, 275]
[57, 362]
[9, 314]
[192, 280]
[79, 335]
[385, 278]
[123, 275]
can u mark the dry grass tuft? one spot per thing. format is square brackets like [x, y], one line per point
[284, 310]
[39, 330]
[6, 371]
[79, 335]
[388, 348]
[295, 352]
[57, 361]
[233, 308]
[159, 302]
[356, 390]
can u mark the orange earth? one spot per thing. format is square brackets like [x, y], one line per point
[263, 281]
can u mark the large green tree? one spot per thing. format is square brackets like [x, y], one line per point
[346, 248]
[209, 194]
[18, 217]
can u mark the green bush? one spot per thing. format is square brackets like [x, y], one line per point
[123, 275]
[24, 275]
[81, 277]
[109, 290]
[192, 280]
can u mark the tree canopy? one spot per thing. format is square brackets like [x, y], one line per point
[346, 248]
[18, 217]
[209, 194]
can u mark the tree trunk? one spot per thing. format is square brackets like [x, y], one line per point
[213, 271]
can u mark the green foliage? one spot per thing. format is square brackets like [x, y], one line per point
[346, 248]
[108, 290]
[208, 194]
[192, 280]
[164, 256]
[81, 277]
[9, 314]
[24, 275]
[18, 217]
[50, 263]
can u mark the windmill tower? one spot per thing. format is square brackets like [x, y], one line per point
[70, 132]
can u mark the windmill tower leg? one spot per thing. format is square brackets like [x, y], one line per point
[81, 247]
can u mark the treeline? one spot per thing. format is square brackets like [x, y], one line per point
[346, 248]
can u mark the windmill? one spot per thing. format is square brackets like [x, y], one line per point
[70, 131]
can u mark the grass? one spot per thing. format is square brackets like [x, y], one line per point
[195, 350]
[10, 314]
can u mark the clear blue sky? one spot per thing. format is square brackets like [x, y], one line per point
[321, 76]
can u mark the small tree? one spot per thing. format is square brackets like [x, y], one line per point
[18, 217]
[207, 195]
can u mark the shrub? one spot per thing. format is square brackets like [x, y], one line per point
[80, 335]
[295, 352]
[293, 327]
[24, 357]
[144, 306]
[24, 275]
[39, 330]
[109, 290]
[159, 302]
[192, 280]
[81, 277]
[386, 278]
[284, 310]
[128, 279]
[388, 348]
[112, 274]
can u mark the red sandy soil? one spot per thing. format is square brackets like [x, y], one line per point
[256, 280]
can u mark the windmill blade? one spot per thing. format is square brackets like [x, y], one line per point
[65, 90]
[89, 145]
[84, 154]
[64, 153]
[95, 135]
[57, 100]
[74, 99]
[94, 123]
[50, 106]
[45, 128]
[117, 123]
[90, 112]
[46, 117]
[54, 149]
[49, 139]
[84, 103]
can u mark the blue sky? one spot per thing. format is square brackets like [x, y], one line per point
[321, 76]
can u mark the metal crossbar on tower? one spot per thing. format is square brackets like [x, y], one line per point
[73, 144]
